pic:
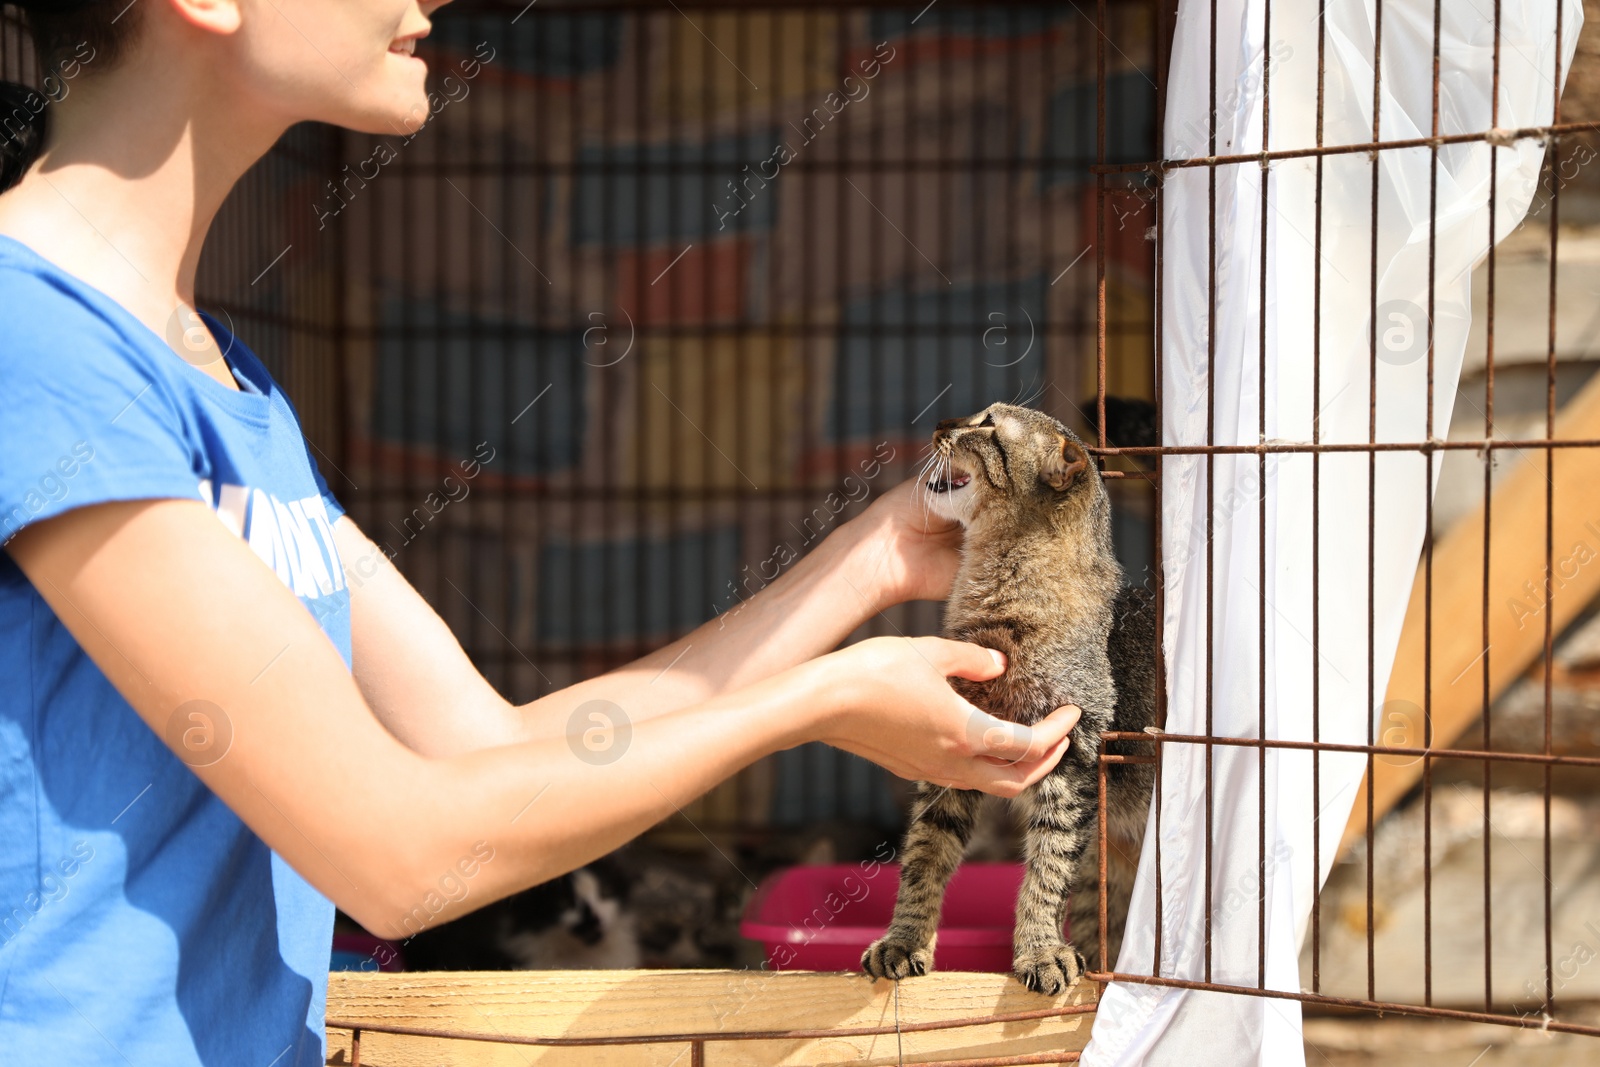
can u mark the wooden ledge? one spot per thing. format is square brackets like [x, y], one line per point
[738, 1018]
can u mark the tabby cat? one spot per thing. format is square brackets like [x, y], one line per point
[1038, 581]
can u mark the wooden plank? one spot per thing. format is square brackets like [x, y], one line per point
[883, 1050]
[1516, 583]
[405, 1050]
[601, 1004]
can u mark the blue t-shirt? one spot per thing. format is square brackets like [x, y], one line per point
[141, 921]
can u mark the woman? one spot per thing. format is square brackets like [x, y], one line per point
[201, 755]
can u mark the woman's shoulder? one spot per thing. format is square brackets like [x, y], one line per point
[64, 338]
[86, 411]
[50, 311]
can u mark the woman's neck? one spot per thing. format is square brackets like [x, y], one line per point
[129, 181]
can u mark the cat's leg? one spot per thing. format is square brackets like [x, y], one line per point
[1058, 829]
[941, 824]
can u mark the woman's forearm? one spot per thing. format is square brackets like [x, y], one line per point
[301, 759]
[524, 813]
[804, 612]
[383, 829]
[520, 814]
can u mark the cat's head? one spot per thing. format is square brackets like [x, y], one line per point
[1011, 462]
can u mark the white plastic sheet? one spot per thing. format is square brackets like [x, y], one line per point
[1140, 1024]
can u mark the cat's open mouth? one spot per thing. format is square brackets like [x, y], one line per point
[950, 483]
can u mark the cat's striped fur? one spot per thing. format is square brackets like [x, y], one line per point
[1039, 582]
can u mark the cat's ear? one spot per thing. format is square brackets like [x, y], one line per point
[1062, 465]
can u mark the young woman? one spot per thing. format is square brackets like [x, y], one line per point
[224, 711]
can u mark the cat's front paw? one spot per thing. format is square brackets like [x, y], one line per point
[891, 957]
[1049, 969]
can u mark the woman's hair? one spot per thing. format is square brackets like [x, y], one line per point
[68, 36]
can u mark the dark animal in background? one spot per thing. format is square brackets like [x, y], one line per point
[638, 907]
[578, 920]
[1130, 422]
[1039, 582]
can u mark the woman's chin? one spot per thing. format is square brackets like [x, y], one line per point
[402, 113]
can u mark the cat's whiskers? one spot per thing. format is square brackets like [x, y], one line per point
[924, 476]
[921, 474]
[943, 474]
[923, 481]
[1029, 401]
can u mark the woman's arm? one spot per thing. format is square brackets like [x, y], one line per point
[421, 684]
[173, 607]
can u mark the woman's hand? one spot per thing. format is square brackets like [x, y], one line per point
[910, 552]
[891, 702]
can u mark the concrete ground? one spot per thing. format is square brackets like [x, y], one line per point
[1360, 1041]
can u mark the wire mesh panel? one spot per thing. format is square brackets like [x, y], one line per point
[1469, 901]
[660, 294]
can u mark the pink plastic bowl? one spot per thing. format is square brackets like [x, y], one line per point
[822, 918]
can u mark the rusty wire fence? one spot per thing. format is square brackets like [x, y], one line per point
[691, 285]
[1521, 739]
